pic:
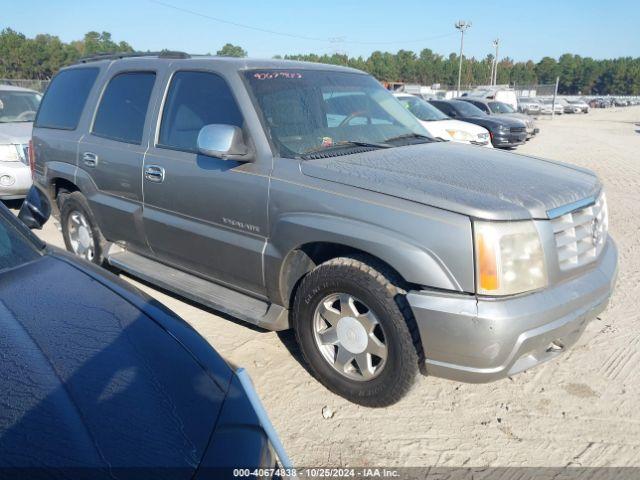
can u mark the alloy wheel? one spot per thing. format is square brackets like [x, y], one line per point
[350, 337]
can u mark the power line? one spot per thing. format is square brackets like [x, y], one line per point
[293, 35]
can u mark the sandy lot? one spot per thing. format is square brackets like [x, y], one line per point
[580, 409]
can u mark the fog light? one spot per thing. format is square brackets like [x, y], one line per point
[7, 180]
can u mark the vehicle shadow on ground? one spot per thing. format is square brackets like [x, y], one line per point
[288, 339]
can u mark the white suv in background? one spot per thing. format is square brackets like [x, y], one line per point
[441, 126]
[18, 107]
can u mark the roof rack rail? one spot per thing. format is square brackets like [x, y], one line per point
[169, 54]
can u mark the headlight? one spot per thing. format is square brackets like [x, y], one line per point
[503, 128]
[509, 258]
[460, 135]
[10, 153]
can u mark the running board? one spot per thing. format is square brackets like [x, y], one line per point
[258, 312]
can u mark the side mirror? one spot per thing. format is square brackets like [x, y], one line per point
[222, 141]
[36, 209]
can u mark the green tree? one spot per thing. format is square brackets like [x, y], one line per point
[42, 56]
[547, 70]
[230, 50]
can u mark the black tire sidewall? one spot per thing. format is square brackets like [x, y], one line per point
[77, 202]
[402, 360]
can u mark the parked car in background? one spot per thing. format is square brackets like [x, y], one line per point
[568, 107]
[441, 126]
[548, 106]
[600, 103]
[620, 102]
[18, 107]
[505, 132]
[302, 195]
[493, 107]
[529, 105]
[97, 378]
[579, 105]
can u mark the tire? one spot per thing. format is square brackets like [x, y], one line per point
[72, 207]
[378, 293]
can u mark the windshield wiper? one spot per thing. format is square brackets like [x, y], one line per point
[409, 136]
[345, 144]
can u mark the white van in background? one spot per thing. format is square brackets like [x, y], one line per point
[501, 93]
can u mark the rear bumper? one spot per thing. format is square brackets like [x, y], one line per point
[476, 339]
[15, 180]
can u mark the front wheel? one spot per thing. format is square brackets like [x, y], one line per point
[356, 331]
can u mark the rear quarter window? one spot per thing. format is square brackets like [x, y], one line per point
[65, 98]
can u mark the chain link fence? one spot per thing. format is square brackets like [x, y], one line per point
[37, 85]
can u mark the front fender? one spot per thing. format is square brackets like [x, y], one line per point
[415, 262]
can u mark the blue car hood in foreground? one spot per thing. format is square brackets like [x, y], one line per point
[89, 380]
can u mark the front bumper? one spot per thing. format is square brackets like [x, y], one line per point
[480, 339]
[505, 140]
[17, 180]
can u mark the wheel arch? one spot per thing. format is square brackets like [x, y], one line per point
[300, 242]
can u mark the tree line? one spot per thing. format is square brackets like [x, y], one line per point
[40, 57]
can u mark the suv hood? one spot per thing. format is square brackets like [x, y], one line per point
[15, 132]
[518, 116]
[474, 181]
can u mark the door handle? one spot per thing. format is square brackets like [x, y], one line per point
[154, 173]
[90, 159]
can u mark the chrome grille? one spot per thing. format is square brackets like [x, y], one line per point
[580, 235]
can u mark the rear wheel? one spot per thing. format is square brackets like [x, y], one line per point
[356, 331]
[80, 229]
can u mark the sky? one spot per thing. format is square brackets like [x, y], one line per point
[529, 29]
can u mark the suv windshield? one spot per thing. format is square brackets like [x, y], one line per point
[500, 107]
[18, 106]
[466, 109]
[314, 110]
[421, 109]
[15, 249]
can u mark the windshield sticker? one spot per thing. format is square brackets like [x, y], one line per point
[327, 141]
[277, 74]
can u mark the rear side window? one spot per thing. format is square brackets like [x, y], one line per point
[195, 99]
[123, 107]
[64, 101]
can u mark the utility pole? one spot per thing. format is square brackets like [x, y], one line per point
[462, 26]
[494, 80]
[553, 102]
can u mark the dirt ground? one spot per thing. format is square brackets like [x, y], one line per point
[581, 409]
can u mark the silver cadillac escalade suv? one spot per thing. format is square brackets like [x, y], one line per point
[304, 196]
